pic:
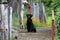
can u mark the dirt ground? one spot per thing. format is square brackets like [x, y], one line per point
[41, 34]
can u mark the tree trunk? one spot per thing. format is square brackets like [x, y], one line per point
[41, 11]
[20, 12]
[1, 29]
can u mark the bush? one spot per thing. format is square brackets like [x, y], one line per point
[38, 23]
[49, 21]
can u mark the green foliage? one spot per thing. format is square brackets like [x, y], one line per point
[24, 22]
[37, 25]
[15, 22]
[12, 36]
[35, 1]
[57, 18]
[58, 11]
[37, 22]
[25, 11]
[9, 1]
[51, 4]
[57, 25]
[0, 1]
[49, 21]
[54, 4]
[56, 37]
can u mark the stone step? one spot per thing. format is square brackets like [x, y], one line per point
[41, 34]
[34, 36]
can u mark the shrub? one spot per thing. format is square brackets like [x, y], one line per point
[37, 22]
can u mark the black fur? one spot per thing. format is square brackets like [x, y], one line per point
[30, 26]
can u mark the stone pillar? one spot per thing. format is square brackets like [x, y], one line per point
[4, 22]
[1, 29]
[9, 22]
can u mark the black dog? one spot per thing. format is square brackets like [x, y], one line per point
[30, 26]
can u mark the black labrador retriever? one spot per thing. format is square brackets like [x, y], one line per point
[30, 26]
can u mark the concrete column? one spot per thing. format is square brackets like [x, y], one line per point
[4, 21]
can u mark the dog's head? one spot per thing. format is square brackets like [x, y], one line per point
[29, 16]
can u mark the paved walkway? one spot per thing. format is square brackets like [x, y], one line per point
[41, 34]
